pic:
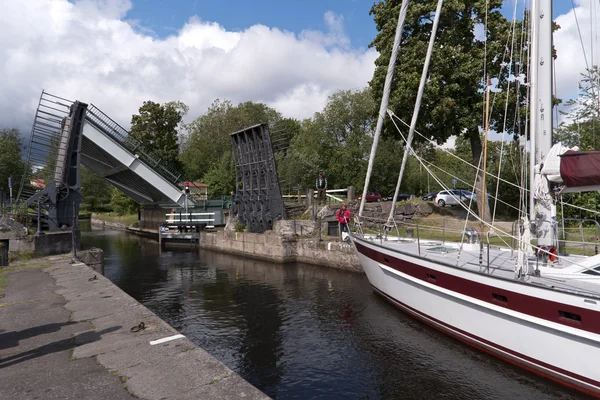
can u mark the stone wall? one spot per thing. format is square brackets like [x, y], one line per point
[267, 245]
[93, 258]
[48, 244]
[280, 248]
[152, 218]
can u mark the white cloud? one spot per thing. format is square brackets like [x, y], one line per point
[88, 51]
[570, 62]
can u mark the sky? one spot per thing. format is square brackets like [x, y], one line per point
[289, 54]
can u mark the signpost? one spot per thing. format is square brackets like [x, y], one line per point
[10, 185]
[454, 183]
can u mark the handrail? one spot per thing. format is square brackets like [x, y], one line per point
[122, 136]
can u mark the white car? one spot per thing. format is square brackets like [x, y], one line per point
[452, 197]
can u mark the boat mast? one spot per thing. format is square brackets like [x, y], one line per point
[542, 208]
[415, 116]
[384, 100]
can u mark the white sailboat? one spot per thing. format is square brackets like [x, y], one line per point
[527, 305]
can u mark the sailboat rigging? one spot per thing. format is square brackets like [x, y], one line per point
[535, 309]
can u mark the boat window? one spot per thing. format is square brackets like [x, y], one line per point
[594, 271]
[500, 297]
[570, 316]
[431, 277]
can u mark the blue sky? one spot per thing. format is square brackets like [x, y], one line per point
[166, 17]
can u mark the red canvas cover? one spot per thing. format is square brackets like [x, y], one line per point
[580, 168]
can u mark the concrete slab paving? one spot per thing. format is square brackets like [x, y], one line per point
[71, 338]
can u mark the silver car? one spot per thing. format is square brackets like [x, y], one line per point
[452, 197]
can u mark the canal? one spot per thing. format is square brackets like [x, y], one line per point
[305, 332]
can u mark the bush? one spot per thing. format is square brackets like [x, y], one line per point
[239, 227]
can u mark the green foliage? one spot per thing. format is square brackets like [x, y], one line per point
[208, 136]
[121, 203]
[11, 163]
[96, 191]
[454, 94]
[156, 128]
[221, 177]
[125, 219]
[239, 227]
[582, 124]
[580, 128]
[336, 140]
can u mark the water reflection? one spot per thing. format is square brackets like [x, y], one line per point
[302, 332]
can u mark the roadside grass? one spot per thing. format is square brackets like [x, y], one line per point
[127, 219]
[22, 256]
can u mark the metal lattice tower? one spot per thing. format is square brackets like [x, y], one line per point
[258, 196]
[51, 177]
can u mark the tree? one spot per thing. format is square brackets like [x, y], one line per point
[580, 127]
[582, 122]
[207, 152]
[96, 191]
[11, 163]
[336, 140]
[155, 127]
[121, 203]
[454, 98]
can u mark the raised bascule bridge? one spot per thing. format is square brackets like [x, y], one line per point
[67, 134]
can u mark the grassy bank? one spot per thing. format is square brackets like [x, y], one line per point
[127, 219]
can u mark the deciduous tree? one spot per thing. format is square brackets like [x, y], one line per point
[96, 191]
[206, 154]
[11, 162]
[156, 127]
[453, 100]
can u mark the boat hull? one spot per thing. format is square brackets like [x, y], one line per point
[453, 301]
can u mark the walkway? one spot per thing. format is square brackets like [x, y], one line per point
[66, 335]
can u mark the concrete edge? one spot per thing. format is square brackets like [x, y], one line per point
[140, 376]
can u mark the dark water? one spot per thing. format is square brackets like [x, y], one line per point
[306, 332]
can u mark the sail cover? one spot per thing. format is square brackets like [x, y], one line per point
[580, 168]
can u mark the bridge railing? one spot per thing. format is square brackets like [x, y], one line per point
[121, 136]
[190, 218]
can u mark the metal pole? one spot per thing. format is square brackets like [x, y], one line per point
[415, 115]
[74, 234]
[39, 221]
[533, 106]
[384, 101]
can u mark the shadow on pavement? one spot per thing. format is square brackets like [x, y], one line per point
[54, 347]
[11, 339]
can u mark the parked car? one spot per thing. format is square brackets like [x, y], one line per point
[452, 197]
[467, 195]
[371, 197]
[404, 196]
[430, 196]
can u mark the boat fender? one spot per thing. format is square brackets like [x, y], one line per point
[553, 254]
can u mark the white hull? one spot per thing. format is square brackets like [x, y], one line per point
[456, 301]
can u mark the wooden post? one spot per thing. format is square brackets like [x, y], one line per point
[351, 194]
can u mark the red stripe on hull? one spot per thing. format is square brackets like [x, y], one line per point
[514, 358]
[529, 305]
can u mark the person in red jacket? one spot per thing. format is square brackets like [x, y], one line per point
[343, 217]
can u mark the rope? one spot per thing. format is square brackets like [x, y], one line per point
[139, 327]
[512, 47]
[477, 168]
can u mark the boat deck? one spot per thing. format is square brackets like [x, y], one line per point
[501, 263]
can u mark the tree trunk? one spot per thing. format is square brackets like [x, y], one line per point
[476, 150]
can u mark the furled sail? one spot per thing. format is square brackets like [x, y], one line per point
[578, 171]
